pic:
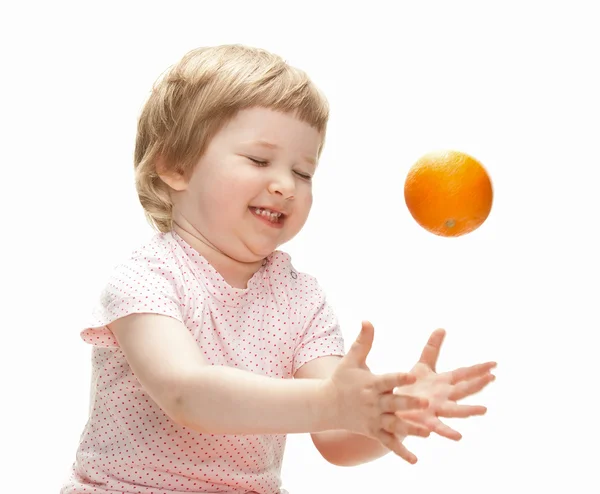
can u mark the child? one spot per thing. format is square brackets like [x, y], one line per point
[208, 346]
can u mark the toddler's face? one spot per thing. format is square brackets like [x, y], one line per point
[251, 191]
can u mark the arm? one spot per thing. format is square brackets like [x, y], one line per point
[169, 364]
[340, 447]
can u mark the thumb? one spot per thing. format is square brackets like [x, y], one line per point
[362, 345]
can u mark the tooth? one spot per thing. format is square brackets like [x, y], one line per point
[267, 213]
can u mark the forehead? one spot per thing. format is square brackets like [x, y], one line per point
[271, 130]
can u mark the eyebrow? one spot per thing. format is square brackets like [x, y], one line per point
[271, 145]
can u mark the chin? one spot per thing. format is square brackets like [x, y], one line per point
[260, 252]
[249, 256]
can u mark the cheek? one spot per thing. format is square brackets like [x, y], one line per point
[232, 192]
[302, 207]
[306, 200]
[223, 197]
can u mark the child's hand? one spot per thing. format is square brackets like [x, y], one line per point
[444, 390]
[365, 403]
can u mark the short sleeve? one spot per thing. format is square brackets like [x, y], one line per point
[321, 336]
[141, 285]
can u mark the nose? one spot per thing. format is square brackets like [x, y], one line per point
[282, 184]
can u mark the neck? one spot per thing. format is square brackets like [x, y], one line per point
[235, 273]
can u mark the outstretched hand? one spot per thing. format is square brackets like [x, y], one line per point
[368, 404]
[443, 391]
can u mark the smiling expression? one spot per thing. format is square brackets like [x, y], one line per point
[252, 189]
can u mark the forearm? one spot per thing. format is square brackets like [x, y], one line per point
[343, 448]
[225, 400]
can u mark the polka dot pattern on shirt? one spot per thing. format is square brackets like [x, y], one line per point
[278, 323]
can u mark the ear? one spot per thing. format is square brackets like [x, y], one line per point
[172, 178]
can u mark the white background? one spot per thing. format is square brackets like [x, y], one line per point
[515, 84]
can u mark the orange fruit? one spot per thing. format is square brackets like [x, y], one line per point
[448, 193]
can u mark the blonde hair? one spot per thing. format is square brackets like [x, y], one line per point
[196, 97]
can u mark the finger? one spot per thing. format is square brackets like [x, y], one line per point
[443, 430]
[431, 352]
[465, 373]
[395, 425]
[387, 382]
[393, 443]
[390, 402]
[362, 345]
[453, 410]
[469, 388]
[416, 416]
[432, 423]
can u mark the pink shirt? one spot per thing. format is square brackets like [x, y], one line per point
[273, 327]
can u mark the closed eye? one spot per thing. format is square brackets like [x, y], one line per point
[303, 175]
[258, 162]
[262, 163]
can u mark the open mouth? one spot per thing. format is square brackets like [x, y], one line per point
[272, 218]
